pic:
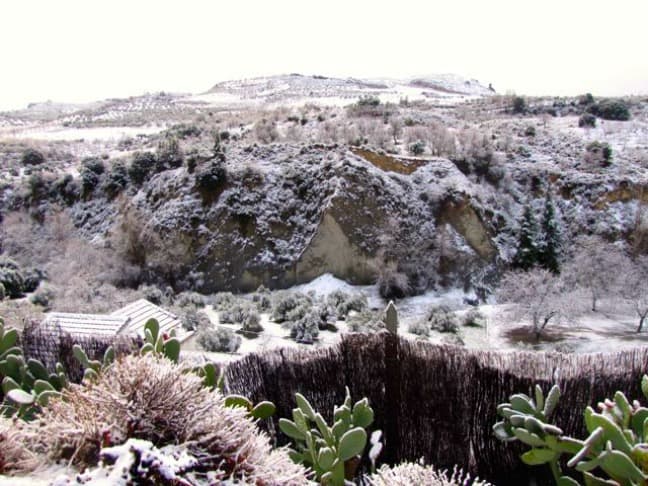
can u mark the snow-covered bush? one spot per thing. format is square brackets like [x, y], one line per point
[587, 120]
[43, 296]
[262, 299]
[192, 319]
[152, 293]
[420, 328]
[155, 400]
[519, 105]
[141, 166]
[92, 169]
[365, 321]
[32, 157]
[32, 278]
[442, 319]
[218, 339]
[392, 284]
[222, 300]
[11, 277]
[169, 155]
[343, 303]
[474, 318]
[243, 313]
[599, 153]
[285, 306]
[610, 110]
[407, 474]
[305, 329]
[417, 148]
[115, 180]
[210, 176]
[189, 299]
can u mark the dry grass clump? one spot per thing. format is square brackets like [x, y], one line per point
[155, 400]
[407, 474]
[14, 456]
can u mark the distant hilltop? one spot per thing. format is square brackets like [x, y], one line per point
[291, 86]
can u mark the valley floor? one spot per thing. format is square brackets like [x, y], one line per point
[611, 329]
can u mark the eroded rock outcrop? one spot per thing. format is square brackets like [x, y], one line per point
[288, 214]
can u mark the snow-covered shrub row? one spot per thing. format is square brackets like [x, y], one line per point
[306, 314]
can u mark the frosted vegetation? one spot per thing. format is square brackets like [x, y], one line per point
[83, 218]
[287, 211]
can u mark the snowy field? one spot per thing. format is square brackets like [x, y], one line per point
[58, 132]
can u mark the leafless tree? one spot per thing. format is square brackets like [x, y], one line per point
[595, 268]
[639, 235]
[537, 295]
[635, 287]
[396, 128]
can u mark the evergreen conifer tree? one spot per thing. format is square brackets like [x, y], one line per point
[549, 246]
[527, 251]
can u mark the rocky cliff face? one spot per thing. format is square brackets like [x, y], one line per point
[287, 214]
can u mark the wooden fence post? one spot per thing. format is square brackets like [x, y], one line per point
[392, 386]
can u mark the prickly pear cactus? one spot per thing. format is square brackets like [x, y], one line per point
[27, 385]
[160, 344]
[332, 452]
[614, 453]
[92, 368]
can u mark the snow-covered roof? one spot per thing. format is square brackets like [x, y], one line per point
[140, 311]
[128, 320]
[86, 324]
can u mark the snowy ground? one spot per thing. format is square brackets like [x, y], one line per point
[58, 132]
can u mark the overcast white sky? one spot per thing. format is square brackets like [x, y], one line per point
[69, 50]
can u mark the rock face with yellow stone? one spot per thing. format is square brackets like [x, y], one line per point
[294, 213]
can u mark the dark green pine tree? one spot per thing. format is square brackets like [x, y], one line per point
[527, 250]
[549, 248]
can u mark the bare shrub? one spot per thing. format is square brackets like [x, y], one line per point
[537, 295]
[595, 268]
[265, 131]
[15, 457]
[639, 231]
[634, 288]
[407, 474]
